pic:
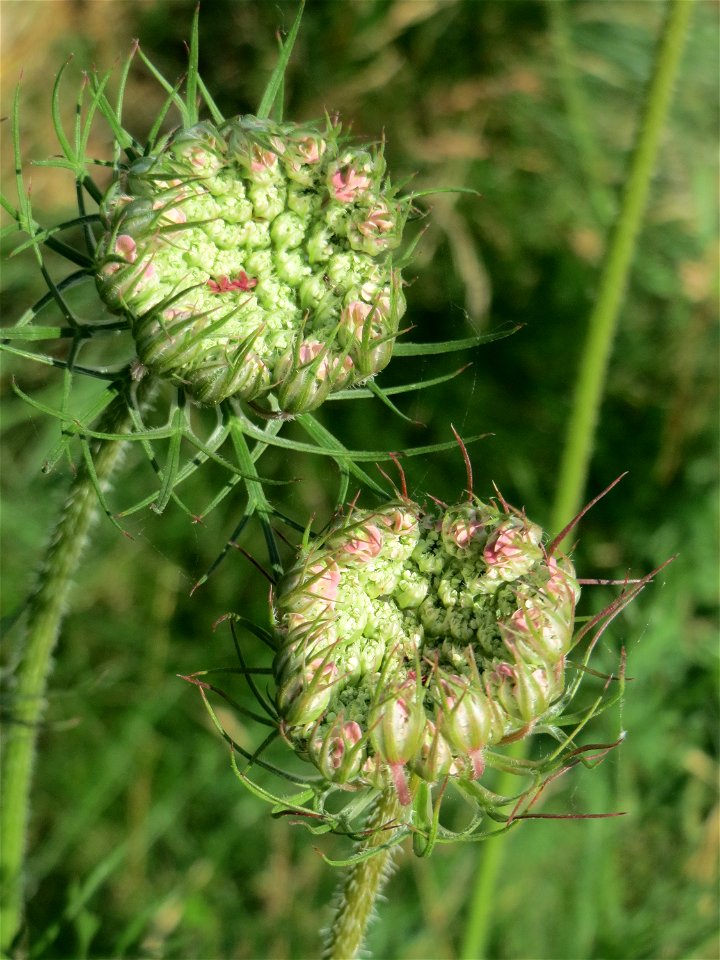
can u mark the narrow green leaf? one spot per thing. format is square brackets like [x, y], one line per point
[211, 105]
[192, 75]
[322, 436]
[42, 236]
[177, 99]
[90, 466]
[124, 74]
[278, 74]
[158, 122]
[363, 393]
[57, 119]
[429, 193]
[450, 346]
[383, 397]
[172, 462]
[36, 333]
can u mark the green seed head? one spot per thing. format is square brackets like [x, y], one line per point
[254, 258]
[436, 633]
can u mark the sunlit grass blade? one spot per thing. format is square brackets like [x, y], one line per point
[62, 138]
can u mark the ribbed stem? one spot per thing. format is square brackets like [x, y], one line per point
[590, 386]
[46, 608]
[590, 383]
[363, 882]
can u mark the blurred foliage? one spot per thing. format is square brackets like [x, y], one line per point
[142, 842]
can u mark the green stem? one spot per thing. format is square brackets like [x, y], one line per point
[362, 884]
[46, 608]
[590, 383]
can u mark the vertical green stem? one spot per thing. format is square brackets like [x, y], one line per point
[590, 381]
[45, 613]
[362, 884]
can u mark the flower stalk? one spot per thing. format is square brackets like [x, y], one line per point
[602, 325]
[591, 378]
[46, 609]
[363, 882]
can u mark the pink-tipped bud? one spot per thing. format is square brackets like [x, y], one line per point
[346, 184]
[377, 222]
[126, 247]
[366, 545]
[325, 580]
[340, 753]
[305, 696]
[396, 732]
[527, 693]
[435, 760]
[513, 550]
[397, 728]
[311, 149]
[465, 718]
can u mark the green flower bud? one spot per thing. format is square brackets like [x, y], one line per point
[434, 761]
[387, 621]
[340, 752]
[233, 245]
[467, 719]
[397, 725]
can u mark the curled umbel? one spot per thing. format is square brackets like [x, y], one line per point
[411, 640]
[254, 258]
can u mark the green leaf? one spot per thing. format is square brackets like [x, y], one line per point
[192, 74]
[382, 396]
[364, 393]
[450, 346]
[276, 80]
[177, 99]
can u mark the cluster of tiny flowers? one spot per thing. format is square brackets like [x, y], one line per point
[412, 640]
[254, 258]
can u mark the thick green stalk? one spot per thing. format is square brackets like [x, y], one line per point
[590, 382]
[362, 884]
[46, 608]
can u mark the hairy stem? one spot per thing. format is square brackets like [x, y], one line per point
[363, 882]
[45, 612]
[590, 382]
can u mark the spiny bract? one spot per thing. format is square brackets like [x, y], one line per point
[412, 639]
[253, 258]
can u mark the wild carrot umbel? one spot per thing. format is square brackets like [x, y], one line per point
[245, 264]
[412, 646]
[245, 271]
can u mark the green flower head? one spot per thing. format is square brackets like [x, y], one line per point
[255, 258]
[410, 640]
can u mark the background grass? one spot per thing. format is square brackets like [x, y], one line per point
[143, 844]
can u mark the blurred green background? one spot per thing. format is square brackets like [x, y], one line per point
[143, 844]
